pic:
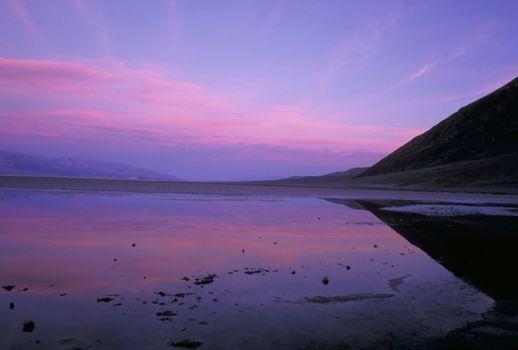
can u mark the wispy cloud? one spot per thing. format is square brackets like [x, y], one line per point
[95, 19]
[351, 55]
[21, 13]
[419, 73]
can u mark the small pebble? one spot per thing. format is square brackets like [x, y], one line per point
[28, 326]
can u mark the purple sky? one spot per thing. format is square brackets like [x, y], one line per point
[227, 90]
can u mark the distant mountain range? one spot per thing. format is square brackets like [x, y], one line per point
[331, 178]
[22, 164]
[476, 147]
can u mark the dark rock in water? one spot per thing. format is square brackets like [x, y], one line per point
[166, 313]
[185, 278]
[11, 306]
[8, 288]
[348, 267]
[182, 295]
[325, 281]
[63, 294]
[205, 280]
[186, 343]
[114, 259]
[133, 245]
[28, 326]
[293, 272]
[243, 251]
[254, 271]
[104, 299]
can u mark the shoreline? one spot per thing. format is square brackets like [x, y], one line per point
[249, 189]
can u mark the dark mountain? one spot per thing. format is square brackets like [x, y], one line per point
[22, 164]
[334, 178]
[476, 140]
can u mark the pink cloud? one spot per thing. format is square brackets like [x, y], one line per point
[50, 74]
[142, 104]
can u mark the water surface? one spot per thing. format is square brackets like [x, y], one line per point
[232, 271]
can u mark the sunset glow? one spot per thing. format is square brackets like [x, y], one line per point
[225, 90]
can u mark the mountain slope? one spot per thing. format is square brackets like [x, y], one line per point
[22, 164]
[485, 129]
[333, 179]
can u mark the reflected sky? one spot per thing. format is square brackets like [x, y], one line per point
[81, 244]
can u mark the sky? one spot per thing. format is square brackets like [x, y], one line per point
[243, 89]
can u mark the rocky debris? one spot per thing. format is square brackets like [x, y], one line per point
[347, 298]
[250, 271]
[325, 281]
[8, 287]
[185, 278]
[165, 315]
[186, 343]
[28, 326]
[205, 280]
[11, 306]
[347, 267]
[182, 295]
[104, 299]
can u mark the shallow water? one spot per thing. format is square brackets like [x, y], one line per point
[63, 251]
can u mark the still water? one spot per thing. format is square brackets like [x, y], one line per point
[139, 271]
